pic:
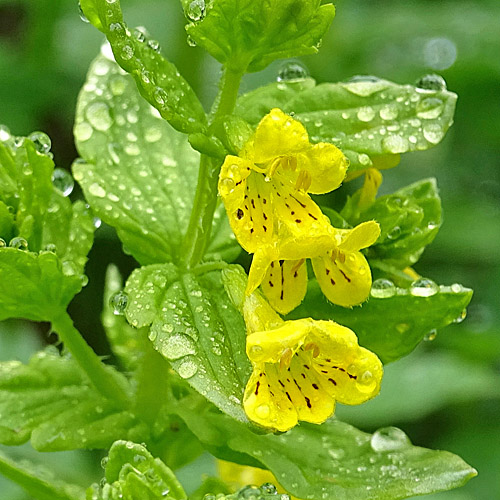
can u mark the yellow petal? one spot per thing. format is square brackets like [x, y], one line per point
[344, 279]
[248, 203]
[326, 165]
[362, 236]
[285, 284]
[349, 373]
[264, 401]
[260, 263]
[278, 134]
[373, 180]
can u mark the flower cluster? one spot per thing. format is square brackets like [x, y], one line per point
[300, 367]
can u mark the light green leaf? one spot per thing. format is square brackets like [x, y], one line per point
[140, 174]
[132, 473]
[339, 461]
[6, 222]
[157, 79]
[407, 318]
[370, 121]
[195, 326]
[248, 35]
[34, 286]
[38, 482]
[409, 220]
[52, 401]
[125, 341]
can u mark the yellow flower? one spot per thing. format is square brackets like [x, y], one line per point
[265, 192]
[302, 367]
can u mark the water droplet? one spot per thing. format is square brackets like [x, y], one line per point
[160, 96]
[132, 149]
[83, 131]
[226, 186]
[395, 144]
[63, 181]
[461, 316]
[187, 369]
[292, 71]
[365, 85]
[389, 112]
[433, 132]
[364, 159]
[440, 53]
[152, 134]
[96, 190]
[104, 462]
[394, 233]
[177, 346]
[269, 489]
[117, 85]
[19, 243]
[97, 222]
[424, 287]
[249, 492]
[4, 133]
[154, 45]
[382, 289]
[41, 141]
[98, 116]
[429, 337]
[83, 17]
[139, 35]
[127, 51]
[68, 268]
[190, 41]
[118, 302]
[50, 248]
[389, 439]
[366, 114]
[430, 108]
[196, 10]
[366, 382]
[431, 83]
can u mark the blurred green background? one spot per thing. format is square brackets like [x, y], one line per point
[446, 395]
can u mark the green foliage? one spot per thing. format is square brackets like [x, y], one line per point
[248, 35]
[39, 482]
[139, 174]
[51, 401]
[132, 473]
[339, 462]
[194, 325]
[403, 326]
[370, 120]
[157, 79]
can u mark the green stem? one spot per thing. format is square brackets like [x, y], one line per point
[205, 201]
[101, 376]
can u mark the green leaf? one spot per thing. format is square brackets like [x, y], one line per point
[38, 482]
[132, 473]
[53, 402]
[140, 174]
[6, 222]
[339, 461]
[409, 220]
[370, 121]
[248, 35]
[392, 326]
[195, 326]
[157, 79]
[125, 341]
[34, 286]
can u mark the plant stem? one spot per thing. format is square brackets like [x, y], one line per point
[205, 201]
[101, 376]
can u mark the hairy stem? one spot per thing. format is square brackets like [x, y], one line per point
[101, 376]
[205, 201]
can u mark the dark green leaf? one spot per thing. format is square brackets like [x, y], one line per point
[38, 482]
[195, 326]
[248, 35]
[334, 460]
[157, 79]
[140, 174]
[392, 326]
[370, 121]
[52, 401]
[132, 473]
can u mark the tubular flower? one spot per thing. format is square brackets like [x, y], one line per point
[300, 368]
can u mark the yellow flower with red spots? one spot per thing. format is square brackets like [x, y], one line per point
[265, 192]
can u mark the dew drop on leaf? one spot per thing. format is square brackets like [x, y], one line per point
[83, 131]
[268, 489]
[177, 346]
[430, 108]
[187, 369]
[430, 336]
[389, 439]
[433, 133]
[4, 133]
[41, 141]
[99, 117]
[423, 287]
[83, 17]
[19, 243]
[292, 71]
[3, 243]
[366, 114]
[431, 83]
[395, 144]
[63, 181]
[154, 45]
[118, 302]
[382, 289]
[96, 190]
[196, 10]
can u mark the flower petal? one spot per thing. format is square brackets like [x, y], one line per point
[326, 165]
[285, 284]
[361, 236]
[345, 279]
[277, 134]
[264, 401]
